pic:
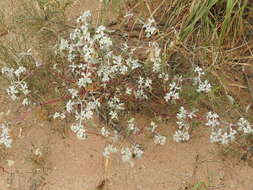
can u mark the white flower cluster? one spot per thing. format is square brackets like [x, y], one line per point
[59, 115]
[79, 130]
[84, 80]
[18, 86]
[175, 88]
[159, 139]
[95, 65]
[203, 86]
[105, 132]
[150, 29]
[219, 135]
[101, 37]
[137, 150]
[133, 63]
[26, 102]
[5, 136]
[212, 119]
[127, 154]
[244, 126]
[143, 85]
[108, 150]
[182, 134]
[100, 67]
[83, 18]
[156, 57]
[86, 110]
[152, 127]
[132, 127]
[115, 106]
[228, 134]
[83, 109]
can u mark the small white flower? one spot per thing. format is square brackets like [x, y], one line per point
[148, 83]
[9, 72]
[156, 57]
[4, 136]
[182, 114]
[38, 64]
[128, 91]
[69, 106]
[175, 88]
[115, 104]
[26, 102]
[228, 137]
[126, 155]
[64, 45]
[199, 71]
[183, 125]
[204, 86]
[19, 71]
[84, 16]
[180, 136]
[159, 139]
[131, 126]
[76, 127]
[81, 134]
[153, 126]
[217, 136]
[23, 87]
[82, 82]
[133, 63]
[104, 41]
[79, 130]
[85, 114]
[244, 126]
[137, 151]
[73, 92]
[164, 76]
[128, 15]
[105, 132]
[140, 94]
[149, 28]
[212, 119]
[108, 150]
[114, 115]
[60, 115]
[12, 91]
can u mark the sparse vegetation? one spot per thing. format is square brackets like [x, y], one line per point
[185, 62]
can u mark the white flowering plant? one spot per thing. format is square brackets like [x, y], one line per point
[97, 72]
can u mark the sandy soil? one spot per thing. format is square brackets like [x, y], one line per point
[43, 159]
[67, 163]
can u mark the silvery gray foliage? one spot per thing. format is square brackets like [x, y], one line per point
[102, 75]
[5, 138]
